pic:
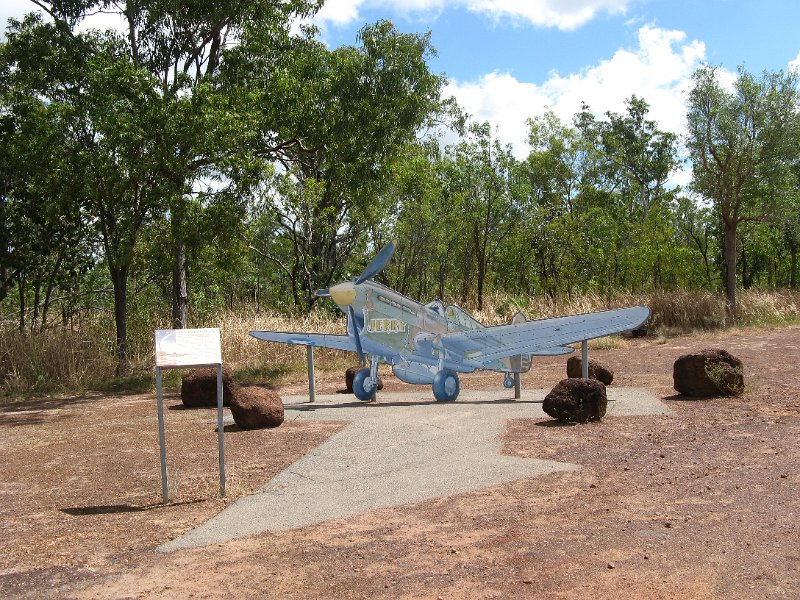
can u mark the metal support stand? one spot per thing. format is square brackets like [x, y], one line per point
[311, 385]
[162, 440]
[585, 359]
[517, 386]
[373, 375]
[220, 432]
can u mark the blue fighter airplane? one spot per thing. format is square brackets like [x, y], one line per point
[432, 343]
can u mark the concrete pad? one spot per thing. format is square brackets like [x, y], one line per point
[403, 449]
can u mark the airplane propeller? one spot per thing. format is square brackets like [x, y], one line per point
[351, 317]
[375, 266]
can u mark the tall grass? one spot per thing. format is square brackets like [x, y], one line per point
[56, 358]
[61, 359]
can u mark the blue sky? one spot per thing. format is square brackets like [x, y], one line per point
[509, 60]
[758, 34]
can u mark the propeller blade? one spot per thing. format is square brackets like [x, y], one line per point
[351, 314]
[322, 293]
[378, 263]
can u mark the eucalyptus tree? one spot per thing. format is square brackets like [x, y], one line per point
[637, 157]
[148, 118]
[350, 111]
[185, 47]
[479, 181]
[42, 231]
[741, 142]
[562, 198]
[633, 162]
[422, 221]
[700, 232]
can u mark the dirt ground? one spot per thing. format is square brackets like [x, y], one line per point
[701, 504]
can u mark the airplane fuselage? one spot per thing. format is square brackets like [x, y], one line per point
[405, 333]
[432, 343]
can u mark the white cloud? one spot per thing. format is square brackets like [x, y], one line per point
[549, 13]
[659, 71]
[795, 64]
[13, 9]
[338, 12]
[564, 15]
[19, 8]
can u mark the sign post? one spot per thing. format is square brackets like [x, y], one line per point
[180, 349]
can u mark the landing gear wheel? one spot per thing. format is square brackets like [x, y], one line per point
[363, 385]
[445, 386]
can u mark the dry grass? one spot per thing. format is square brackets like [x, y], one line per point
[680, 311]
[70, 359]
[61, 360]
[245, 352]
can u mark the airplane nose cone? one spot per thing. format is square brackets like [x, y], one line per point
[344, 293]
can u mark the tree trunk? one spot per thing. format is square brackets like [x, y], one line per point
[729, 231]
[793, 267]
[5, 282]
[49, 292]
[480, 259]
[37, 294]
[180, 296]
[21, 286]
[119, 279]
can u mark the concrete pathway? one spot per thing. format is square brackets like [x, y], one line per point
[405, 448]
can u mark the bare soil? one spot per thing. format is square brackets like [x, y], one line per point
[701, 504]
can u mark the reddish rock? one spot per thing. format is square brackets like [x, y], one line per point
[577, 400]
[199, 387]
[350, 375]
[710, 372]
[596, 370]
[255, 407]
[638, 332]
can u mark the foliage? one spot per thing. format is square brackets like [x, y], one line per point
[741, 143]
[217, 159]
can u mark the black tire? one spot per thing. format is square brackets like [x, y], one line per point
[446, 386]
[363, 386]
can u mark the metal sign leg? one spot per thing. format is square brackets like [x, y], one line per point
[162, 442]
[220, 432]
[517, 386]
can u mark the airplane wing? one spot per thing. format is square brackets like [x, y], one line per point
[323, 340]
[554, 351]
[543, 336]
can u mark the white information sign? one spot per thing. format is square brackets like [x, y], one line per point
[187, 347]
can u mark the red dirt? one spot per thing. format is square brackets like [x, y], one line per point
[702, 504]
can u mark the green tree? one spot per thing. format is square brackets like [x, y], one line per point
[351, 111]
[42, 232]
[148, 118]
[477, 181]
[185, 46]
[740, 143]
[636, 157]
